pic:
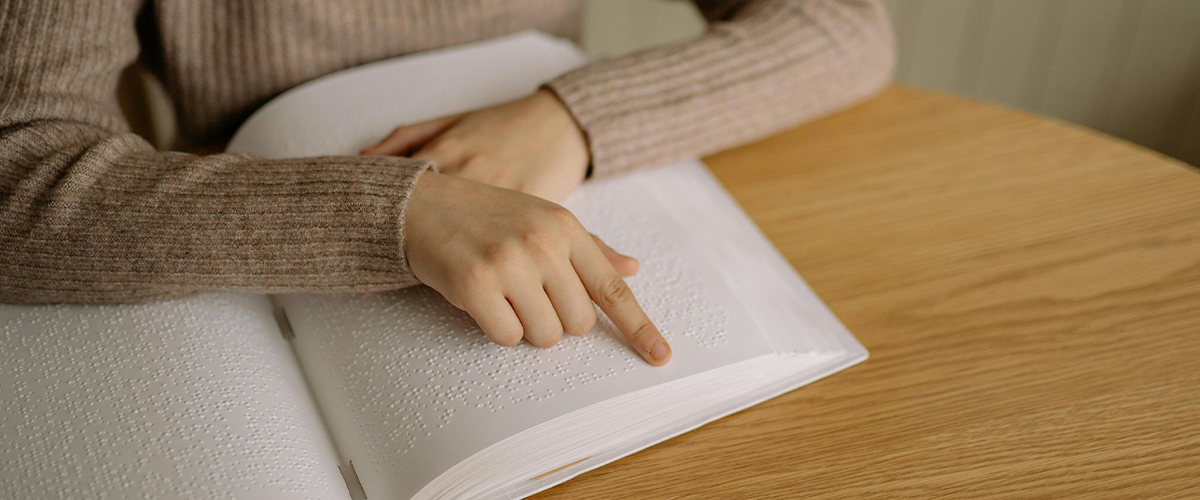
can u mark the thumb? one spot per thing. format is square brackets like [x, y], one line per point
[408, 138]
[625, 265]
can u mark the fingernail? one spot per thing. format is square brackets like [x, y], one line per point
[659, 350]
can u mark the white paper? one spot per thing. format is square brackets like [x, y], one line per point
[193, 398]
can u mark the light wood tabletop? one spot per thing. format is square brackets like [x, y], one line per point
[1029, 292]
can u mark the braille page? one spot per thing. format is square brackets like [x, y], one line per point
[410, 385]
[786, 309]
[193, 398]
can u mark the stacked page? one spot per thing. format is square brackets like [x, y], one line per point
[402, 392]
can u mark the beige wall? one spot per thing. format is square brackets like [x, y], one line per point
[614, 27]
[1130, 68]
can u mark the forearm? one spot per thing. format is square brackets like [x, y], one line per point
[90, 216]
[762, 66]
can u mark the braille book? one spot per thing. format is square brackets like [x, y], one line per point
[400, 395]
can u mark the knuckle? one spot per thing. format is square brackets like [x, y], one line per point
[644, 332]
[544, 339]
[560, 216]
[614, 291]
[506, 338]
[582, 324]
[539, 240]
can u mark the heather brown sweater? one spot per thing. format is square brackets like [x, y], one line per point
[90, 212]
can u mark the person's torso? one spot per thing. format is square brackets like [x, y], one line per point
[222, 59]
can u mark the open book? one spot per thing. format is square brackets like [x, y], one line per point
[400, 395]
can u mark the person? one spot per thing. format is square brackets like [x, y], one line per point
[93, 213]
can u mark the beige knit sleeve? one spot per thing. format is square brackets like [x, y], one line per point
[762, 66]
[92, 213]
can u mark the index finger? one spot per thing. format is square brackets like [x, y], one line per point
[614, 297]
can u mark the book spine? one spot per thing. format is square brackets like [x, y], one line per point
[352, 482]
[285, 326]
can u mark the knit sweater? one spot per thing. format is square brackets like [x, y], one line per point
[90, 212]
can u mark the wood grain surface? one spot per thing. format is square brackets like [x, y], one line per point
[1029, 292]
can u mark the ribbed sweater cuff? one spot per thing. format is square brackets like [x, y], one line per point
[619, 137]
[582, 101]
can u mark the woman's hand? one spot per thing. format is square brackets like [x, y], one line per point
[521, 266]
[530, 145]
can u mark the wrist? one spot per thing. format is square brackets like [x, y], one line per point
[417, 208]
[579, 135]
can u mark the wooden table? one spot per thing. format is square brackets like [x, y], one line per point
[1030, 294]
